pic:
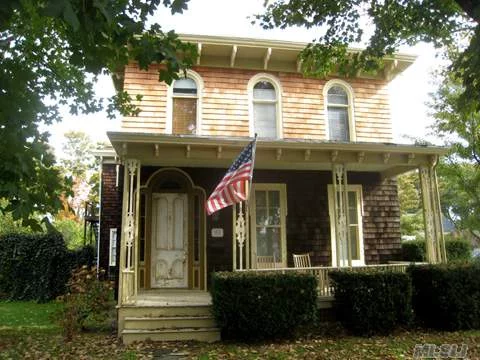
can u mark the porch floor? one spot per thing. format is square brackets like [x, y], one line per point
[173, 297]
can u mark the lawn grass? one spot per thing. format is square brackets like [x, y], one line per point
[18, 315]
[28, 332]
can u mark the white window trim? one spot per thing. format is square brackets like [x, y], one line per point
[331, 211]
[112, 260]
[278, 91]
[351, 112]
[200, 86]
[282, 188]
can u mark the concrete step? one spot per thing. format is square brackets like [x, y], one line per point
[168, 322]
[199, 334]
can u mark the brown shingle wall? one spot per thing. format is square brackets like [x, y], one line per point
[381, 223]
[225, 110]
[111, 214]
[308, 222]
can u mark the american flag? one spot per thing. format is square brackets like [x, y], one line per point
[233, 187]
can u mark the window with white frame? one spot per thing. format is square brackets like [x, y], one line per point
[184, 105]
[113, 248]
[268, 225]
[339, 112]
[354, 226]
[265, 106]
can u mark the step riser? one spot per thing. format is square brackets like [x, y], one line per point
[208, 336]
[164, 311]
[151, 324]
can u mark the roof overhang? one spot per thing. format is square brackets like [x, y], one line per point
[198, 151]
[273, 55]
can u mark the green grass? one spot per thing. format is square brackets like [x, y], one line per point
[21, 315]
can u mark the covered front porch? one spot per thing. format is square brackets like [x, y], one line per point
[333, 200]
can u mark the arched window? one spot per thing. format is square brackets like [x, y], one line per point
[339, 112]
[184, 103]
[265, 109]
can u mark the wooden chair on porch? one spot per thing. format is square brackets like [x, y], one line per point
[266, 262]
[301, 260]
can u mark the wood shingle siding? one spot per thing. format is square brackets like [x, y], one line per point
[225, 104]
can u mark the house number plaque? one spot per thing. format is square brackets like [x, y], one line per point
[217, 232]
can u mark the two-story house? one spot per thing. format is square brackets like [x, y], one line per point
[323, 183]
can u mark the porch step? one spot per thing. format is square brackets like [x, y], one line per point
[168, 318]
[184, 334]
[169, 322]
[155, 311]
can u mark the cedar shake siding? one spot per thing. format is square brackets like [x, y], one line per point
[111, 215]
[308, 223]
[225, 104]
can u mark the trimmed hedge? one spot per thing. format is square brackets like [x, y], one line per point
[252, 306]
[33, 267]
[447, 297]
[38, 266]
[413, 250]
[375, 302]
[456, 249]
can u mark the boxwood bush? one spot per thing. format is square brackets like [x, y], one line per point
[447, 296]
[373, 302]
[456, 249]
[251, 306]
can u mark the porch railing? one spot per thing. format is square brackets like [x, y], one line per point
[324, 286]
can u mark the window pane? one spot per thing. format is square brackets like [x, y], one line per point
[264, 90]
[265, 121]
[261, 216]
[338, 123]
[184, 116]
[260, 198]
[269, 243]
[185, 87]
[354, 248]
[337, 95]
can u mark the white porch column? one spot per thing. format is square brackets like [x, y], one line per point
[128, 248]
[241, 235]
[340, 201]
[434, 241]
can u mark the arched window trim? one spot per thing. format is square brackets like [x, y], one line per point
[278, 90]
[200, 86]
[351, 113]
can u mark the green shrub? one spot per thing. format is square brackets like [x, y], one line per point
[252, 306]
[447, 296]
[87, 301]
[413, 250]
[374, 302]
[33, 267]
[82, 256]
[456, 249]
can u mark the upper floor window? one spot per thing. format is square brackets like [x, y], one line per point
[184, 105]
[265, 109]
[339, 111]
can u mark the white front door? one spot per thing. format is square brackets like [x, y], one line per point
[169, 240]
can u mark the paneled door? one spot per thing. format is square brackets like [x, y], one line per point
[169, 253]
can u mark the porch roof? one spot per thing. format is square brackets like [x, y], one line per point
[294, 154]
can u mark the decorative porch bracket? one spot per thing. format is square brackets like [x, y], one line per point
[434, 241]
[340, 201]
[241, 235]
[128, 249]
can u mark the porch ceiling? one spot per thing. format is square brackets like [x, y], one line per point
[199, 151]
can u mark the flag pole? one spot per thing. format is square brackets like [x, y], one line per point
[248, 188]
